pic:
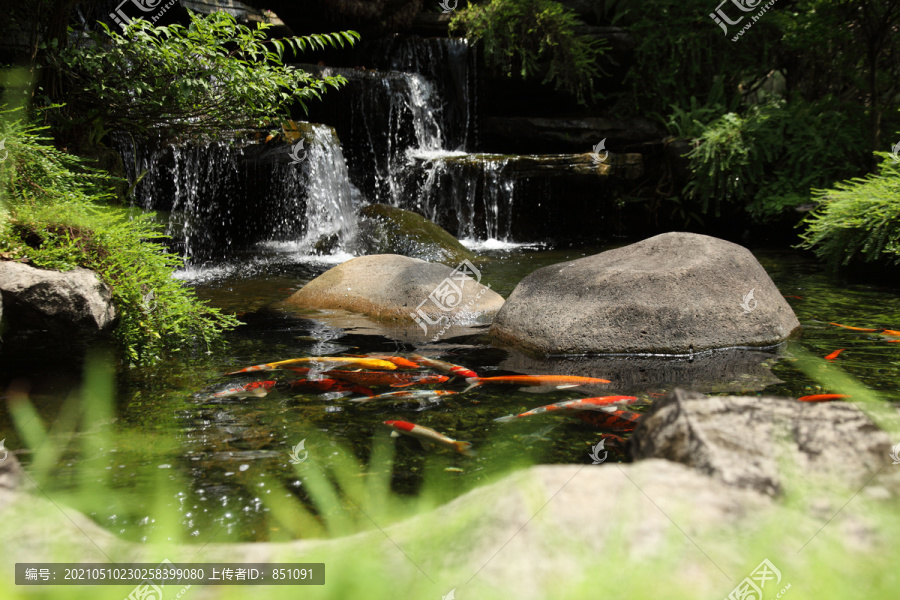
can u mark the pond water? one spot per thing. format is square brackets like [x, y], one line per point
[224, 459]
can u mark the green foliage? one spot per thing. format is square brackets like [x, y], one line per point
[859, 219]
[534, 37]
[56, 220]
[211, 76]
[691, 122]
[770, 158]
[681, 54]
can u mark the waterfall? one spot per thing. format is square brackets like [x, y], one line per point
[216, 198]
[470, 195]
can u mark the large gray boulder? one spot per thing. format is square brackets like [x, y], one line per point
[763, 443]
[398, 288]
[71, 302]
[675, 293]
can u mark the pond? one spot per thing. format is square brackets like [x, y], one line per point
[214, 464]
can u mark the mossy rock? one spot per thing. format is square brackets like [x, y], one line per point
[385, 229]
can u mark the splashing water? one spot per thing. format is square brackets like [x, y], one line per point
[217, 198]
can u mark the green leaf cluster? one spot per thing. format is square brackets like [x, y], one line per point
[859, 219]
[534, 37]
[211, 76]
[56, 219]
[771, 157]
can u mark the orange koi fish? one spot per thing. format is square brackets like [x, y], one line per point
[401, 362]
[797, 297]
[362, 363]
[444, 367]
[256, 389]
[891, 332]
[834, 354]
[557, 381]
[428, 436]
[406, 395]
[853, 328]
[330, 385]
[390, 379]
[822, 397]
[621, 420]
[606, 403]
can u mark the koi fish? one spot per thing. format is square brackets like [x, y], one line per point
[401, 362]
[621, 420]
[797, 297]
[606, 403]
[428, 436]
[444, 367]
[330, 385]
[853, 328]
[891, 332]
[256, 389]
[390, 379]
[558, 381]
[834, 354]
[822, 397]
[362, 363]
[405, 395]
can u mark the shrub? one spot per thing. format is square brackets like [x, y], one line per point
[770, 159]
[858, 219]
[211, 76]
[56, 219]
[520, 36]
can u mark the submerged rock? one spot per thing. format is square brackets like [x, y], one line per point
[385, 229]
[674, 293]
[66, 303]
[762, 443]
[398, 288]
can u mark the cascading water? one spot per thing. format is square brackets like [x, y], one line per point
[222, 197]
[399, 128]
[470, 195]
[381, 117]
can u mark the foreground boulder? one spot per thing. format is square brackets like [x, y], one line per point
[675, 293]
[67, 303]
[756, 442]
[387, 229]
[398, 288]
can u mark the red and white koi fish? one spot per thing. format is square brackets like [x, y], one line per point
[444, 367]
[621, 420]
[330, 385]
[427, 436]
[361, 363]
[558, 381]
[822, 397]
[390, 379]
[405, 395]
[606, 403]
[256, 389]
